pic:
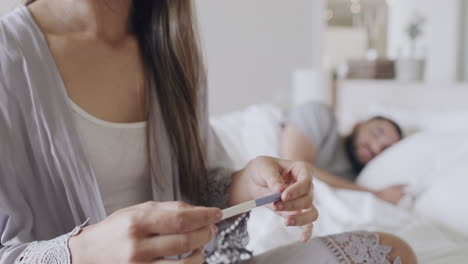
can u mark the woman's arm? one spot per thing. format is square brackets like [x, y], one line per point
[147, 233]
[127, 236]
[267, 175]
[40, 252]
[227, 187]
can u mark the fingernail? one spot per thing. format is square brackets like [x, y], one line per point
[292, 221]
[280, 206]
[288, 197]
[218, 216]
[279, 187]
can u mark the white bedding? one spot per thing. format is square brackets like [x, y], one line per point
[256, 131]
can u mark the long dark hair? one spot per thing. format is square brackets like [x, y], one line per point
[168, 40]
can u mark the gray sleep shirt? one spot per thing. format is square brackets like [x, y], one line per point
[317, 123]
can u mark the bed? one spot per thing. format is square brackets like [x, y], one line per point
[433, 161]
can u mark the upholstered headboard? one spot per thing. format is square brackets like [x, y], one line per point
[356, 98]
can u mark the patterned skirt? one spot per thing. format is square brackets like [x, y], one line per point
[346, 248]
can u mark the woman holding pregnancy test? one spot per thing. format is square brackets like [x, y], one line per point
[107, 155]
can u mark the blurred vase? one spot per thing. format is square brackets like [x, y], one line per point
[408, 70]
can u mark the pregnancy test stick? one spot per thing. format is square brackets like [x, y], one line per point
[247, 206]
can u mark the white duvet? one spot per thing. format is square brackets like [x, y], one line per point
[256, 131]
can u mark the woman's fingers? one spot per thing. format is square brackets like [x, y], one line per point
[151, 219]
[301, 174]
[176, 244]
[306, 232]
[195, 258]
[267, 168]
[303, 218]
[297, 190]
[303, 202]
[185, 220]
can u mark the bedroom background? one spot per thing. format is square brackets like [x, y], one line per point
[358, 57]
[269, 51]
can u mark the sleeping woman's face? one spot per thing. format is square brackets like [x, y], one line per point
[372, 137]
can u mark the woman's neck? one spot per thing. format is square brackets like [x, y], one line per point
[105, 19]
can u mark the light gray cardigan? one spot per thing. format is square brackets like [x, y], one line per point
[47, 187]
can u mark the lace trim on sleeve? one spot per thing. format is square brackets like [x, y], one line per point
[358, 247]
[231, 244]
[53, 251]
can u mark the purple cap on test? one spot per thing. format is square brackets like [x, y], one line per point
[268, 199]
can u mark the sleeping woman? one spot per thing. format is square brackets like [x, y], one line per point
[107, 155]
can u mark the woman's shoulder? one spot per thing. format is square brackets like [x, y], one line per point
[18, 41]
[12, 26]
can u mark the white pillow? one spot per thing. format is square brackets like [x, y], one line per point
[412, 161]
[412, 120]
[444, 202]
[435, 167]
[250, 133]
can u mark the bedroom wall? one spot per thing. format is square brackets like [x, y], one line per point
[441, 34]
[253, 47]
[463, 43]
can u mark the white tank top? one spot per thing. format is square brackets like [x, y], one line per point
[117, 153]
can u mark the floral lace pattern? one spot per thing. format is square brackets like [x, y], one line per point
[53, 251]
[231, 243]
[358, 247]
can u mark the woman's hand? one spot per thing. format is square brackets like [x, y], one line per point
[147, 233]
[266, 175]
